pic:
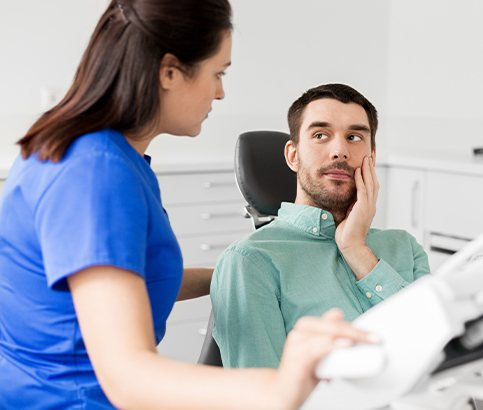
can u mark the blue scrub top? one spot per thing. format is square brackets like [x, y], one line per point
[100, 205]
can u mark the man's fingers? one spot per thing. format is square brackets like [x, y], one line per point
[368, 177]
[360, 187]
[375, 179]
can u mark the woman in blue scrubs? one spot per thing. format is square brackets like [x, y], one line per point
[89, 266]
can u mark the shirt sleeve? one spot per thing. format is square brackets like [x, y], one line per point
[384, 281]
[93, 213]
[249, 328]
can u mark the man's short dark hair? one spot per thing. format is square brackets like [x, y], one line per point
[339, 92]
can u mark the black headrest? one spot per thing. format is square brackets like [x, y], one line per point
[263, 176]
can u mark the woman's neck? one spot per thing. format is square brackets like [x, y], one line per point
[138, 142]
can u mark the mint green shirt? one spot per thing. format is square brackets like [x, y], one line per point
[291, 268]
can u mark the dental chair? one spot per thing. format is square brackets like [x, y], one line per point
[265, 181]
[431, 355]
[262, 175]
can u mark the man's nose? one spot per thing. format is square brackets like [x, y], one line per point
[339, 150]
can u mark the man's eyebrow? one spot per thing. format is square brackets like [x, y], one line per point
[228, 64]
[319, 124]
[325, 124]
[360, 127]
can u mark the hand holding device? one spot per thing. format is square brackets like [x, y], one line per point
[415, 325]
[354, 362]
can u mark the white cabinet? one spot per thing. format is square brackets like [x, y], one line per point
[454, 205]
[206, 211]
[437, 201]
[406, 190]
[379, 220]
[453, 213]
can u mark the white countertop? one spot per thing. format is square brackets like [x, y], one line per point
[171, 168]
[188, 167]
[436, 162]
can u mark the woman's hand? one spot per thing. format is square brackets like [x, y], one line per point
[311, 339]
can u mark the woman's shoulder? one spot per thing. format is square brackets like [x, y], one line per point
[104, 142]
[95, 157]
[105, 151]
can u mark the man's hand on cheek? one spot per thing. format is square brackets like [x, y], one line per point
[352, 231]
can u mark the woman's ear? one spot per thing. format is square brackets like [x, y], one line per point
[170, 72]
[291, 157]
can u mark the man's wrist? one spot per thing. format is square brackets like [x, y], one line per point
[360, 259]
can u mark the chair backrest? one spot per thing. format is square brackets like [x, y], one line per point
[210, 353]
[265, 181]
[263, 176]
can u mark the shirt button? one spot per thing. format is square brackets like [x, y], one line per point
[378, 288]
[315, 230]
[369, 295]
[324, 216]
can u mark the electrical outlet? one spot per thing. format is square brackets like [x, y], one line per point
[49, 96]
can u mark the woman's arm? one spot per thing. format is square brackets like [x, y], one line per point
[115, 319]
[196, 283]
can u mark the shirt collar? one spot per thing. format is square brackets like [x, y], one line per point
[310, 219]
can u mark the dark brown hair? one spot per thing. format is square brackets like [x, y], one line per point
[117, 82]
[339, 92]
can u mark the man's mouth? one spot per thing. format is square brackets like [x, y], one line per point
[338, 174]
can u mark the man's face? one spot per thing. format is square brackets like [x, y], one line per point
[334, 138]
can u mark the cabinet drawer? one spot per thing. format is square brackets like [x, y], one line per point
[203, 187]
[208, 218]
[191, 310]
[205, 250]
[406, 190]
[379, 220]
[183, 341]
[454, 204]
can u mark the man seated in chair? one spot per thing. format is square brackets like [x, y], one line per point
[320, 252]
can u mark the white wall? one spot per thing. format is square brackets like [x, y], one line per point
[435, 80]
[281, 48]
[420, 62]
[41, 43]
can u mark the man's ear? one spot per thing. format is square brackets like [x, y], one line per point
[291, 157]
[170, 72]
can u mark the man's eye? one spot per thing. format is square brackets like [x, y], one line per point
[320, 135]
[220, 74]
[354, 138]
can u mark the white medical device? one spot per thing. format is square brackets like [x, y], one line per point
[415, 325]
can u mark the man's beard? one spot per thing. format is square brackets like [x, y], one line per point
[329, 199]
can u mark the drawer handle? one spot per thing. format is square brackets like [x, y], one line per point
[415, 204]
[210, 247]
[445, 251]
[208, 215]
[211, 184]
